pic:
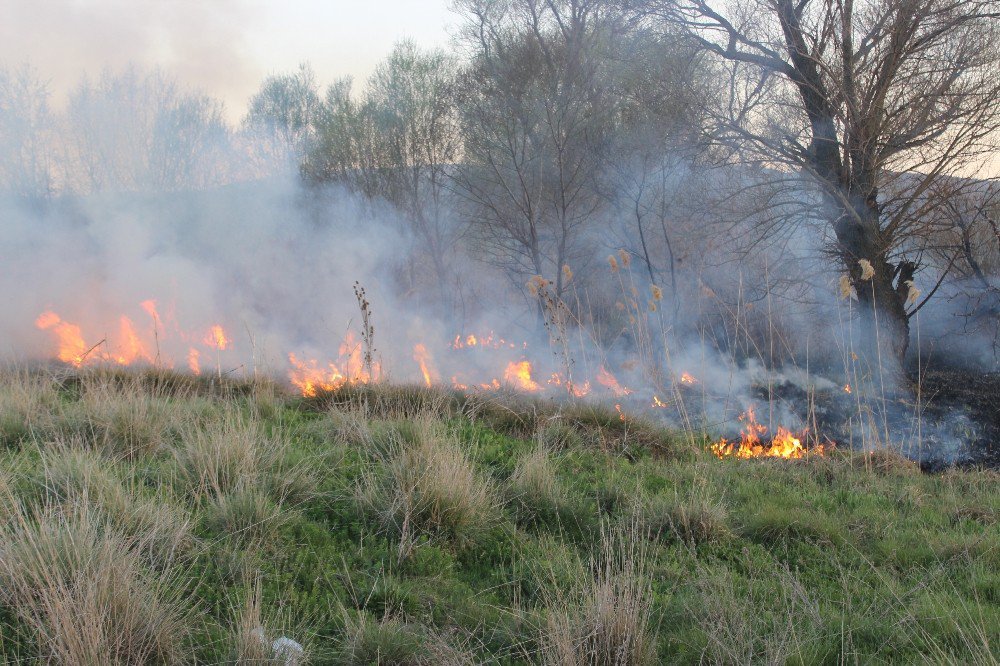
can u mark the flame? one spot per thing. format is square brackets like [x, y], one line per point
[310, 377]
[132, 348]
[72, 348]
[574, 389]
[192, 359]
[217, 338]
[606, 379]
[847, 388]
[423, 357]
[621, 414]
[518, 375]
[150, 307]
[686, 378]
[783, 445]
[658, 403]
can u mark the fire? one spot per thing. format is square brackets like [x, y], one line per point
[606, 379]
[574, 389]
[847, 388]
[217, 338]
[621, 414]
[750, 445]
[518, 375]
[310, 377]
[423, 358]
[658, 403]
[72, 348]
[686, 378]
[193, 363]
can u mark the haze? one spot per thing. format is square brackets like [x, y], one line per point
[223, 47]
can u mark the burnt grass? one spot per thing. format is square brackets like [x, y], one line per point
[850, 557]
[944, 418]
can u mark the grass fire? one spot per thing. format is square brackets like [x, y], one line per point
[565, 332]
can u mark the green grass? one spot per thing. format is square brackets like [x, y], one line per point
[396, 525]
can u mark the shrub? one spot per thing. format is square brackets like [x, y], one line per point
[606, 619]
[428, 486]
[82, 589]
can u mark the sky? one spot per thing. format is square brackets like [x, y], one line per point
[222, 47]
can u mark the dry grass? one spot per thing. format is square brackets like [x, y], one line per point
[61, 564]
[428, 486]
[605, 620]
[694, 517]
[741, 626]
[235, 453]
[72, 475]
[534, 486]
[26, 398]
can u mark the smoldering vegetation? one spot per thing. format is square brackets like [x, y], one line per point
[591, 209]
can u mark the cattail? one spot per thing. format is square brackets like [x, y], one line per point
[620, 306]
[536, 284]
[567, 273]
[912, 293]
[867, 270]
[657, 292]
[625, 257]
[652, 305]
[613, 263]
[845, 287]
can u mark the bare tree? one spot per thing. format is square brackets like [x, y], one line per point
[875, 101]
[26, 128]
[536, 116]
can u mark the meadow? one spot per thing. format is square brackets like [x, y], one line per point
[154, 517]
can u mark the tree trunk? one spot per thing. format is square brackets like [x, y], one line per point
[881, 295]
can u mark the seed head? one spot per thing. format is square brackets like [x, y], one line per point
[867, 270]
[657, 292]
[613, 263]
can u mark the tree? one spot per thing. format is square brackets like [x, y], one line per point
[398, 143]
[136, 130]
[284, 112]
[874, 101]
[26, 128]
[537, 110]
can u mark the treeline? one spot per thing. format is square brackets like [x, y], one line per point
[752, 163]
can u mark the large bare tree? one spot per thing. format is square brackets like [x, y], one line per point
[875, 101]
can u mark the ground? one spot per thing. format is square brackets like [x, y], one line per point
[191, 521]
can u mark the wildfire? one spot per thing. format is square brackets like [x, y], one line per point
[216, 338]
[658, 403]
[72, 348]
[574, 389]
[847, 388]
[423, 358]
[518, 375]
[750, 445]
[608, 380]
[310, 377]
[687, 379]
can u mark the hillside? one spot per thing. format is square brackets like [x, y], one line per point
[150, 517]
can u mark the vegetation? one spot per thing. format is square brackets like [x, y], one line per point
[189, 520]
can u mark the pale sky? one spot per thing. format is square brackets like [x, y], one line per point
[223, 47]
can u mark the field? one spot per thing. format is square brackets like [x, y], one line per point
[151, 517]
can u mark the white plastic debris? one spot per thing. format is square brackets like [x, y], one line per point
[287, 651]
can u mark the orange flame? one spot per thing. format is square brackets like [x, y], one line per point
[192, 359]
[423, 358]
[608, 380]
[783, 445]
[217, 338]
[686, 378]
[658, 403]
[72, 348]
[518, 375]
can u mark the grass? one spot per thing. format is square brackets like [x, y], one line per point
[193, 521]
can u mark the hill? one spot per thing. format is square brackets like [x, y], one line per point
[150, 517]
